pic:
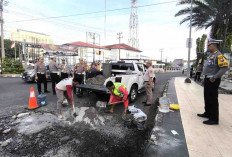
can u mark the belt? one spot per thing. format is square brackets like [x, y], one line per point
[40, 73]
[208, 76]
[146, 81]
[79, 73]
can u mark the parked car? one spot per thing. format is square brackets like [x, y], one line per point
[29, 74]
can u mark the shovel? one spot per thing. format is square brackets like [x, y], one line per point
[74, 110]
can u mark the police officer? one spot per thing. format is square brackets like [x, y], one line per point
[54, 69]
[41, 75]
[78, 72]
[148, 79]
[64, 70]
[199, 71]
[215, 66]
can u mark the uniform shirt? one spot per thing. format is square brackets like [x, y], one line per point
[80, 68]
[66, 85]
[40, 68]
[53, 67]
[216, 65]
[64, 68]
[148, 74]
[199, 68]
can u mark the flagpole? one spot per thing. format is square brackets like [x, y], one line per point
[15, 50]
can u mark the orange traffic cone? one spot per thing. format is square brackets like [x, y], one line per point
[32, 100]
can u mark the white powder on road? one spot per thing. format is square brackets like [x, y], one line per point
[88, 115]
[34, 123]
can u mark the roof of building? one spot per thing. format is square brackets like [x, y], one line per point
[122, 46]
[18, 30]
[83, 44]
[115, 46]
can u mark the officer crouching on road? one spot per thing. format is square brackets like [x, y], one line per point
[215, 66]
[41, 75]
[54, 69]
[64, 70]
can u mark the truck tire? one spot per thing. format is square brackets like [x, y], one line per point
[153, 88]
[133, 93]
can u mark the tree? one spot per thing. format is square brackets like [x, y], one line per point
[216, 14]
[10, 52]
[200, 48]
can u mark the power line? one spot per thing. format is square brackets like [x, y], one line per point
[96, 12]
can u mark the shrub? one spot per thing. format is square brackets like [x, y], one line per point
[10, 66]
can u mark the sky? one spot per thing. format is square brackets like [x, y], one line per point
[158, 28]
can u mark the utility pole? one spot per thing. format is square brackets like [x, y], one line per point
[190, 36]
[119, 40]
[161, 51]
[2, 34]
[105, 25]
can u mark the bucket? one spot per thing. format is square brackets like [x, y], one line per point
[42, 100]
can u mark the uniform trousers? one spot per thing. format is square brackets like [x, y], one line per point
[63, 76]
[148, 89]
[41, 79]
[55, 79]
[211, 99]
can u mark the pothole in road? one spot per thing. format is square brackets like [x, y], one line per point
[89, 134]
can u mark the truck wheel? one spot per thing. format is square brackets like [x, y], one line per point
[133, 93]
[153, 88]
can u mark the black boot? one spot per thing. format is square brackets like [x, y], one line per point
[210, 122]
[203, 115]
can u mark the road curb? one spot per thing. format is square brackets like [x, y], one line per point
[11, 75]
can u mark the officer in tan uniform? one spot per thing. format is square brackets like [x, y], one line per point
[215, 66]
[78, 72]
[148, 79]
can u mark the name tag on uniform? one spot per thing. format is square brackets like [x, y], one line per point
[42, 72]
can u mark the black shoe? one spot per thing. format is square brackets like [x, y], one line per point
[203, 115]
[210, 122]
[39, 93]
[147, 104]
[144, 102]
[46, 91]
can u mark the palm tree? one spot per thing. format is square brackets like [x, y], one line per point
[209, 13]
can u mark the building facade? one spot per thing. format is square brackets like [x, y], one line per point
[32, 40]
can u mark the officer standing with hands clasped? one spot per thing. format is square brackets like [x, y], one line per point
[148, 83]
[215, 66]
[41, 75]
[64, 70]
[78, 72]
[54, 69]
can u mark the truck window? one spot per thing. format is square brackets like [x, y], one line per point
[140, 67]
[123, 66]
[145, 67]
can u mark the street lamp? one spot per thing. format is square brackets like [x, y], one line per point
[190, 36]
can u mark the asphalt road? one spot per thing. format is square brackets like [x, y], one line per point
[14, 95]
[111, 139]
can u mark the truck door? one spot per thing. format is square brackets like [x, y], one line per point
[140, 75]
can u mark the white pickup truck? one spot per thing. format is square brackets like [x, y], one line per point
[128, 72]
